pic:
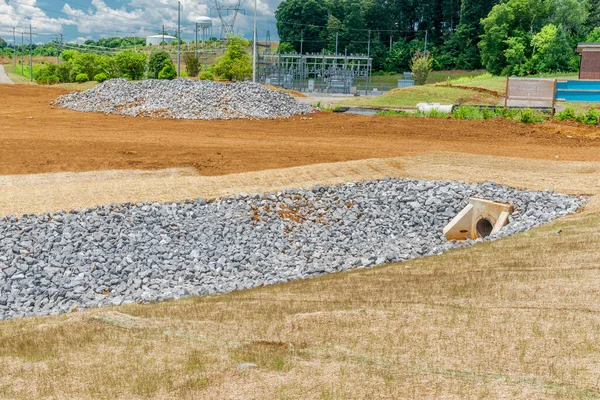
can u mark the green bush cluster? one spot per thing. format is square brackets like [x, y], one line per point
[76, 66]
[192, 65]
[236, 63]
[50, 74]
[206, 76]
[526, 116]
[590, 117]
[101, 77]
[168, 72]
[158, 61]
[82, 78]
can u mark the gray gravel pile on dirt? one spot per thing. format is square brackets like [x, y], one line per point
[145, 252]
[185, 99]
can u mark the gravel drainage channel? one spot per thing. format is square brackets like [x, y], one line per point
[144, 252]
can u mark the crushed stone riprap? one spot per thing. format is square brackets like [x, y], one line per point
[185, 99]
[144, 252]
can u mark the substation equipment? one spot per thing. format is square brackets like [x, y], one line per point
[316, 72]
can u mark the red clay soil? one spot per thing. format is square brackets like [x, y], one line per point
[36, 138]
[479, 90]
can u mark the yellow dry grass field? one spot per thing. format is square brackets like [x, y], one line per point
[515, 318]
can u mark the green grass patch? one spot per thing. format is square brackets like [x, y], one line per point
[411, 96]
[15, 75]
[391, 80]
[526, 116]
[590, 117]
[497, 83]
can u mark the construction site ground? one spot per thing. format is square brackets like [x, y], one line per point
[513, 318]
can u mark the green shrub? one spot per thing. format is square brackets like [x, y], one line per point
[509, 113]
[487, 113]
[206, 76]
[436, 114]
[394, 113]
[421, 66]
[467, 112]
[566, 114]
[529, 116]
[86, 63]
[168, 72]
[52, 80]
[236, 63]
[131, 65]
[158, 61]
[101, 77]
[192, 65]
[591, 116]
[46, 79]
[82, 78]
[63, 72]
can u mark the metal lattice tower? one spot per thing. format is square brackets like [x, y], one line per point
[227, 14]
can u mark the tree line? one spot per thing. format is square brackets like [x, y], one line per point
[76, 66]
[517, 37]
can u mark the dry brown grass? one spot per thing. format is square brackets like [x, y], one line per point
[24, 194]
[515, 318]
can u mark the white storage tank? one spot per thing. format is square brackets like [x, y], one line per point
[156, 40]
[204, 22]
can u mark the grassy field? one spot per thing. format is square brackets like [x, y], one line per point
[409, 97]
[453, 91]
[15, 75]
[497, 83]
[512, 318]
[389, 82]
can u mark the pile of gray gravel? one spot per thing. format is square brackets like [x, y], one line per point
[143, 252]
[185, 99]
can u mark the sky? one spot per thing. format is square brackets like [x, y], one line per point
[80, 20]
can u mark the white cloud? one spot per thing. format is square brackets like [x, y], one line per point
[23, 13]
[123, 17]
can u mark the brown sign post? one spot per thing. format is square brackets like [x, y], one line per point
[530, 92]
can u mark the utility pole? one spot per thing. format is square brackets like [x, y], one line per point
[58, 47]
[163, 35]
[301, 42]
[426, 34]
[61, 45]
[391, 38]
[336, 42]
[255, 47]
[15, 47]
[30, 54]
[179, 38]
[22, 54]
[368, 63]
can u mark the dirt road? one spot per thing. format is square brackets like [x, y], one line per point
[37, 138]
[4, 79]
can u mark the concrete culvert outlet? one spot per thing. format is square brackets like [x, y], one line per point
[484, 227]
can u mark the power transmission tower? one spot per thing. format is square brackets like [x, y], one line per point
[228, 14]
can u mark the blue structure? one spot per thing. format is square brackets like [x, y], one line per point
[584, 91]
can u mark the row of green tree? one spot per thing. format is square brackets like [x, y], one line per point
[81, 67]
[50, 49]
[505, 37]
